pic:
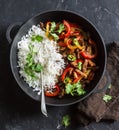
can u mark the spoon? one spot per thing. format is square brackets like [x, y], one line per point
[43, 104]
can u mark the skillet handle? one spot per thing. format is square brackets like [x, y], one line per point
[12, 30]
[107, 84]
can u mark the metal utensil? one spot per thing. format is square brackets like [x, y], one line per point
[43, 104]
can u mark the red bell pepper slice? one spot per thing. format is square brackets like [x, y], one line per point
[89, 56]
[65, 72]
[68, 28]
[54, 93]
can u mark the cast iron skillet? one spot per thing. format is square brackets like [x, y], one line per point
[58, 16]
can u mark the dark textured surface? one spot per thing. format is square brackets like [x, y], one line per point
[17, 110]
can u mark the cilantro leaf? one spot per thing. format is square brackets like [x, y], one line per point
[31, 68]
[61, 28]
[38, 68]
[80, 91]
[69, 88]
[74, 89]
[53, 26]
[66, 120]
[37, 38]
[107, 98]
[56, 37]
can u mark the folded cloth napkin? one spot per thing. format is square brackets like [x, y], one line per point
[94, 107]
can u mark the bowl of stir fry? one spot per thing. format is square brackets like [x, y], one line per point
[66, 49]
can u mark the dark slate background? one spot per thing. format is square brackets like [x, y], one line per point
[17, 110]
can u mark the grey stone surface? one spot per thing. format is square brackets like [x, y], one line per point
[17, 110]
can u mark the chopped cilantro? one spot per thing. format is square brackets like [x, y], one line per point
[38, 68]
[107, 98]
[69, 88]
[53, 26]
[37, 38]
[31, 67]
[66, 120]
[61, 28]
[74, 89]
[56, 37]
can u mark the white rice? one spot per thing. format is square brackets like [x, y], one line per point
[47, 55]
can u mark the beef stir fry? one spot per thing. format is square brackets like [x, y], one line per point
[79, 52]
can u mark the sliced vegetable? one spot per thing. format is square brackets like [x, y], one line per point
[73, 47]
[68, 28]
[79, 65]
[71, 57]
[67, 80]
[68, 42]
[87, 55]
[54, 92]
[47, 28]
[75, 41]
[65, 73]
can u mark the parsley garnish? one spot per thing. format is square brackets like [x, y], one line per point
[37, 38]
[61, 28]
[107, 98]
[56, 37]
[66, 120]
[31, 67]
[53, 26]
[74, 89]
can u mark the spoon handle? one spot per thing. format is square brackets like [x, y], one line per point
[43, 104]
